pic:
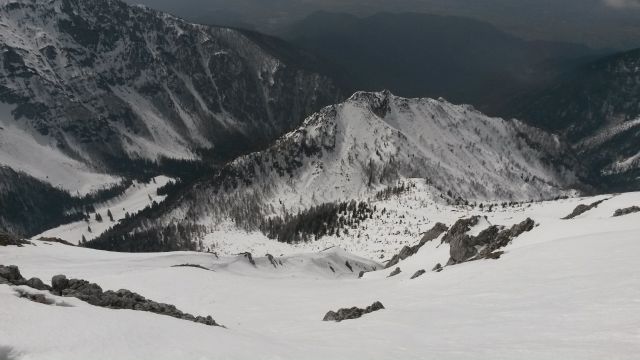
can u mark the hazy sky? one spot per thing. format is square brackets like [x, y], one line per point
[599, 23]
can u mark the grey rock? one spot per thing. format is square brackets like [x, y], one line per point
[361, 274]
[12, 275]
[348, 265]
[36, 283]
[582, 208]
[626, 211]
[395, 272]
[437, 268]
[59, 283]
[408, 251]
[418, 274]
[351, 313]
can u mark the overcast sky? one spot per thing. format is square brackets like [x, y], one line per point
[599, 23]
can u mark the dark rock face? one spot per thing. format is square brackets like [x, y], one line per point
[582, 208]
[626, 211]
[249, 257]
[465, 247]
[361, 274]
[407, 251]
[272, 260]
[437, 268]
[11, 274]
[348, 265]
[418, 274]
[395, 272]
[36, 283]
[7, 239]
[193, 266]
[352, 313]
[39, 298]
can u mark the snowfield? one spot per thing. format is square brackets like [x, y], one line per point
[135, 198]
[568, 289]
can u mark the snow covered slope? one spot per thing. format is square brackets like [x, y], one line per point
[100, 81]
[356, 148]
[135, 198]
[567, 289]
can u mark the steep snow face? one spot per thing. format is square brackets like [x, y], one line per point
[567, 288]
[353, 149]
[102, 79]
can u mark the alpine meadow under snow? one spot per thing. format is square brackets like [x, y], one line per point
[171, 190]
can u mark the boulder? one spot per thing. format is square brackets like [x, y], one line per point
[12, 275]
[418, 273]
[59, 283]
[582, 208]
[36, 283]
[437, 268]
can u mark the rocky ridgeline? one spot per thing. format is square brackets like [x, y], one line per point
[352, 313]
[582, 208]
[7, 239]
[93, 294]
[626, 211]
[408, 251]
[464, 247]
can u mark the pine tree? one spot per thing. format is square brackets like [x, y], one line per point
[98, 217]
[110, 215]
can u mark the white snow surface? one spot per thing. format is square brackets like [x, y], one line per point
[566, 290]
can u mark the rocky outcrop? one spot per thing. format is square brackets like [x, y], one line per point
[11, 275]
[407, 251]
[395, 272]
[121, 299]
[466, 247]
[247, 255]
[92, 293]
[418, 274]
[626, 211]
[352, 313]
[193, 266]
[437, 268]
[582, 208]
[7, 239]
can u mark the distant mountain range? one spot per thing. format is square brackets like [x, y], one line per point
[597, 108]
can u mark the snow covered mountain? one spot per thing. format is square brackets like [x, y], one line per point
[597, 108]
[97, 82]
[351, 151]
[95, 91]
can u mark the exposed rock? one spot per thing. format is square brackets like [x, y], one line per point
[581, 209]
[272, 260]
[352, 313]
[395, 272]
[59, 283]
[418, 273]
[36, 283]
[407, 251]
[39, 298]
[461, 227]
[7, 239]
[55, 240]
[437, 268]
[361, 274]
[193, 266]
[465, 247]
[247, 255]
[626, 211]
[348, 265]
[12, 275]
